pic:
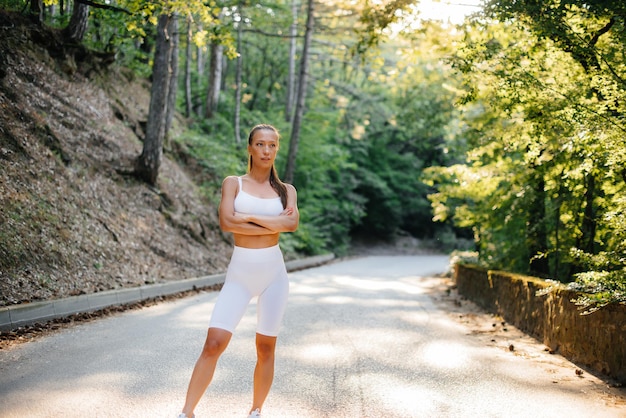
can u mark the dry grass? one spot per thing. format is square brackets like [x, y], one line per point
[72, 220]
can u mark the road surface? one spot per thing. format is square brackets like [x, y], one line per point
[365, 337]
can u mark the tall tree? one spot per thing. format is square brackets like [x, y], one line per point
[301, 96]
[75, 30]
[215, 78]
[291, 81]
[36, 10]
[238, 86]
[173, 73]
[148, 163]
[188, 64]
[588, 185]
[200, 65]
[216, 66]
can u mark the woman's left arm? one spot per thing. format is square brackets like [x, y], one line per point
[287, 221]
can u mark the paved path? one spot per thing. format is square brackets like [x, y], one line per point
[362, 338]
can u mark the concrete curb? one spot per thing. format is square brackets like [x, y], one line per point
[14, 316]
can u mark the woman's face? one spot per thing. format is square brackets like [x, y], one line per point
[263, 148]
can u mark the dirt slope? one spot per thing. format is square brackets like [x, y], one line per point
[72, 220]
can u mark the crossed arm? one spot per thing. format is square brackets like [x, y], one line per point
[247, 224]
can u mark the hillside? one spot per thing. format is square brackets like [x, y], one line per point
[72, 218]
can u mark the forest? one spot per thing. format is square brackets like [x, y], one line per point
[501, 137]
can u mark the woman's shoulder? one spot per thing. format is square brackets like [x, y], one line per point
[290, 187]
[230, 179]
[230, 182]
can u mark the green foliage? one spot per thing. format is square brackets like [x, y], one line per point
[375, 19]
[14, 5]
[542, 183]
[216, 154]
[464, 257]
[604, 281]
[326, 186]
[372, 123]
[599, 289]
[510, 128]
[359, 165]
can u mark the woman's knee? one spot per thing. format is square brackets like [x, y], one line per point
[265, 347]
[216, 342]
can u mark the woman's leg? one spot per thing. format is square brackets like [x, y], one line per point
[270, 310]
[216, 341]
[264, 370]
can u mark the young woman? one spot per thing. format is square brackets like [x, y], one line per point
[255, 208]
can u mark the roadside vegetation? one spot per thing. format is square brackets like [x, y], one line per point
[502, 136]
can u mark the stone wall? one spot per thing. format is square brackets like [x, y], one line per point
[596, 340]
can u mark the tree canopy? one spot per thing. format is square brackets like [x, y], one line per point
[504, 134]
[544, 113]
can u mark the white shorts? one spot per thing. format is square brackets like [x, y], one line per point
[253, 272]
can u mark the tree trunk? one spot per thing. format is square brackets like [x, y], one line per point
[200, 69]
[292, 62]
[173, 83]
[188, 61]
[75, 30]
[536, 236]
[148, 163]
[587, 239]
[36, 11]
[215, 79]
[302, 86]
[238, 78]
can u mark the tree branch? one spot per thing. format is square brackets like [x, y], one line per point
[275, 35]
[602, 31]
[103, 6]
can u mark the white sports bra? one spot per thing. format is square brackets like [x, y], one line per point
[246, 203]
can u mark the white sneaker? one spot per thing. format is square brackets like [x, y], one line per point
[182, 415]
[255, 414]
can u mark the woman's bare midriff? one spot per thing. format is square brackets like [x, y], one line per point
[256, 241]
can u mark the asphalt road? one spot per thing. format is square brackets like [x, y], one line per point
[367, 337]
